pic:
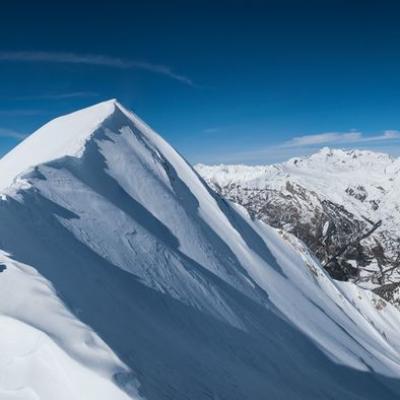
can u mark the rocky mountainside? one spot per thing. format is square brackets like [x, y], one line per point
[345, 205]
[123, 276]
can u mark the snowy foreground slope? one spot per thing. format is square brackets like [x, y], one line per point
[122, 275]
[329, 200]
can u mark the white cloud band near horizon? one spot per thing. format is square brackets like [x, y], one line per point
[339, 138]
[92, 59]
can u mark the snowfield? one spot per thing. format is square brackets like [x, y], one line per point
[45, 351]
[123, 275]
[328, 200]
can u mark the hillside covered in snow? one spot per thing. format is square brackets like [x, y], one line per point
[123, 276]
[345, 205]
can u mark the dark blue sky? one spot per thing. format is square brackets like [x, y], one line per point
[234, 81]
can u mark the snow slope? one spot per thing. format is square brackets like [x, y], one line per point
[135, 280]
[44, 348]
[327, 200]
[32, 151]
[329, 172]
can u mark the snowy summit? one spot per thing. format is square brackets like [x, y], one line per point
[124, 276]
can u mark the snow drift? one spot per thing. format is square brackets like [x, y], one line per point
[124, 276]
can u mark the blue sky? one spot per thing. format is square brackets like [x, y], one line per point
[227, 81]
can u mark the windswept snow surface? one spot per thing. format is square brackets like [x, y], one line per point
[46, 352]
[64, 136]
[124, 276]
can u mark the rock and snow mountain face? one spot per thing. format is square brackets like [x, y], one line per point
[345, 205]
[123, 276]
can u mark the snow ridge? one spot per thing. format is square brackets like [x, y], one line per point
[146, 283]
[63, 136]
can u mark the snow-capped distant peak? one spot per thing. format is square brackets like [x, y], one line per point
[325, 161]
[342, 159]
[334, 194]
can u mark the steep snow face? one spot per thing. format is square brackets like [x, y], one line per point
[329, 200]
[45, 351]
[61, 137]
[132, 273]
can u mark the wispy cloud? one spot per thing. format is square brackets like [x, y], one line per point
[211, 130]
[93, 59]
[57, 96]
[390, 134]
[323, 138]
[21, 112]
[9, 133]
[339, 138]
[305, 145]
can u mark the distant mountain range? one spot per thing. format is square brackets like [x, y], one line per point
[344, 205]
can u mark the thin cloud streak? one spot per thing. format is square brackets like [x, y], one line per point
[92, 59]
[21, 113]
[211, 130]
[57, 96]
[11, 134]
[339, 137]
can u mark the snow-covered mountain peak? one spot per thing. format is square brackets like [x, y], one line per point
[341, 160]
[350, 165]
[165, 289]
[63, 136]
